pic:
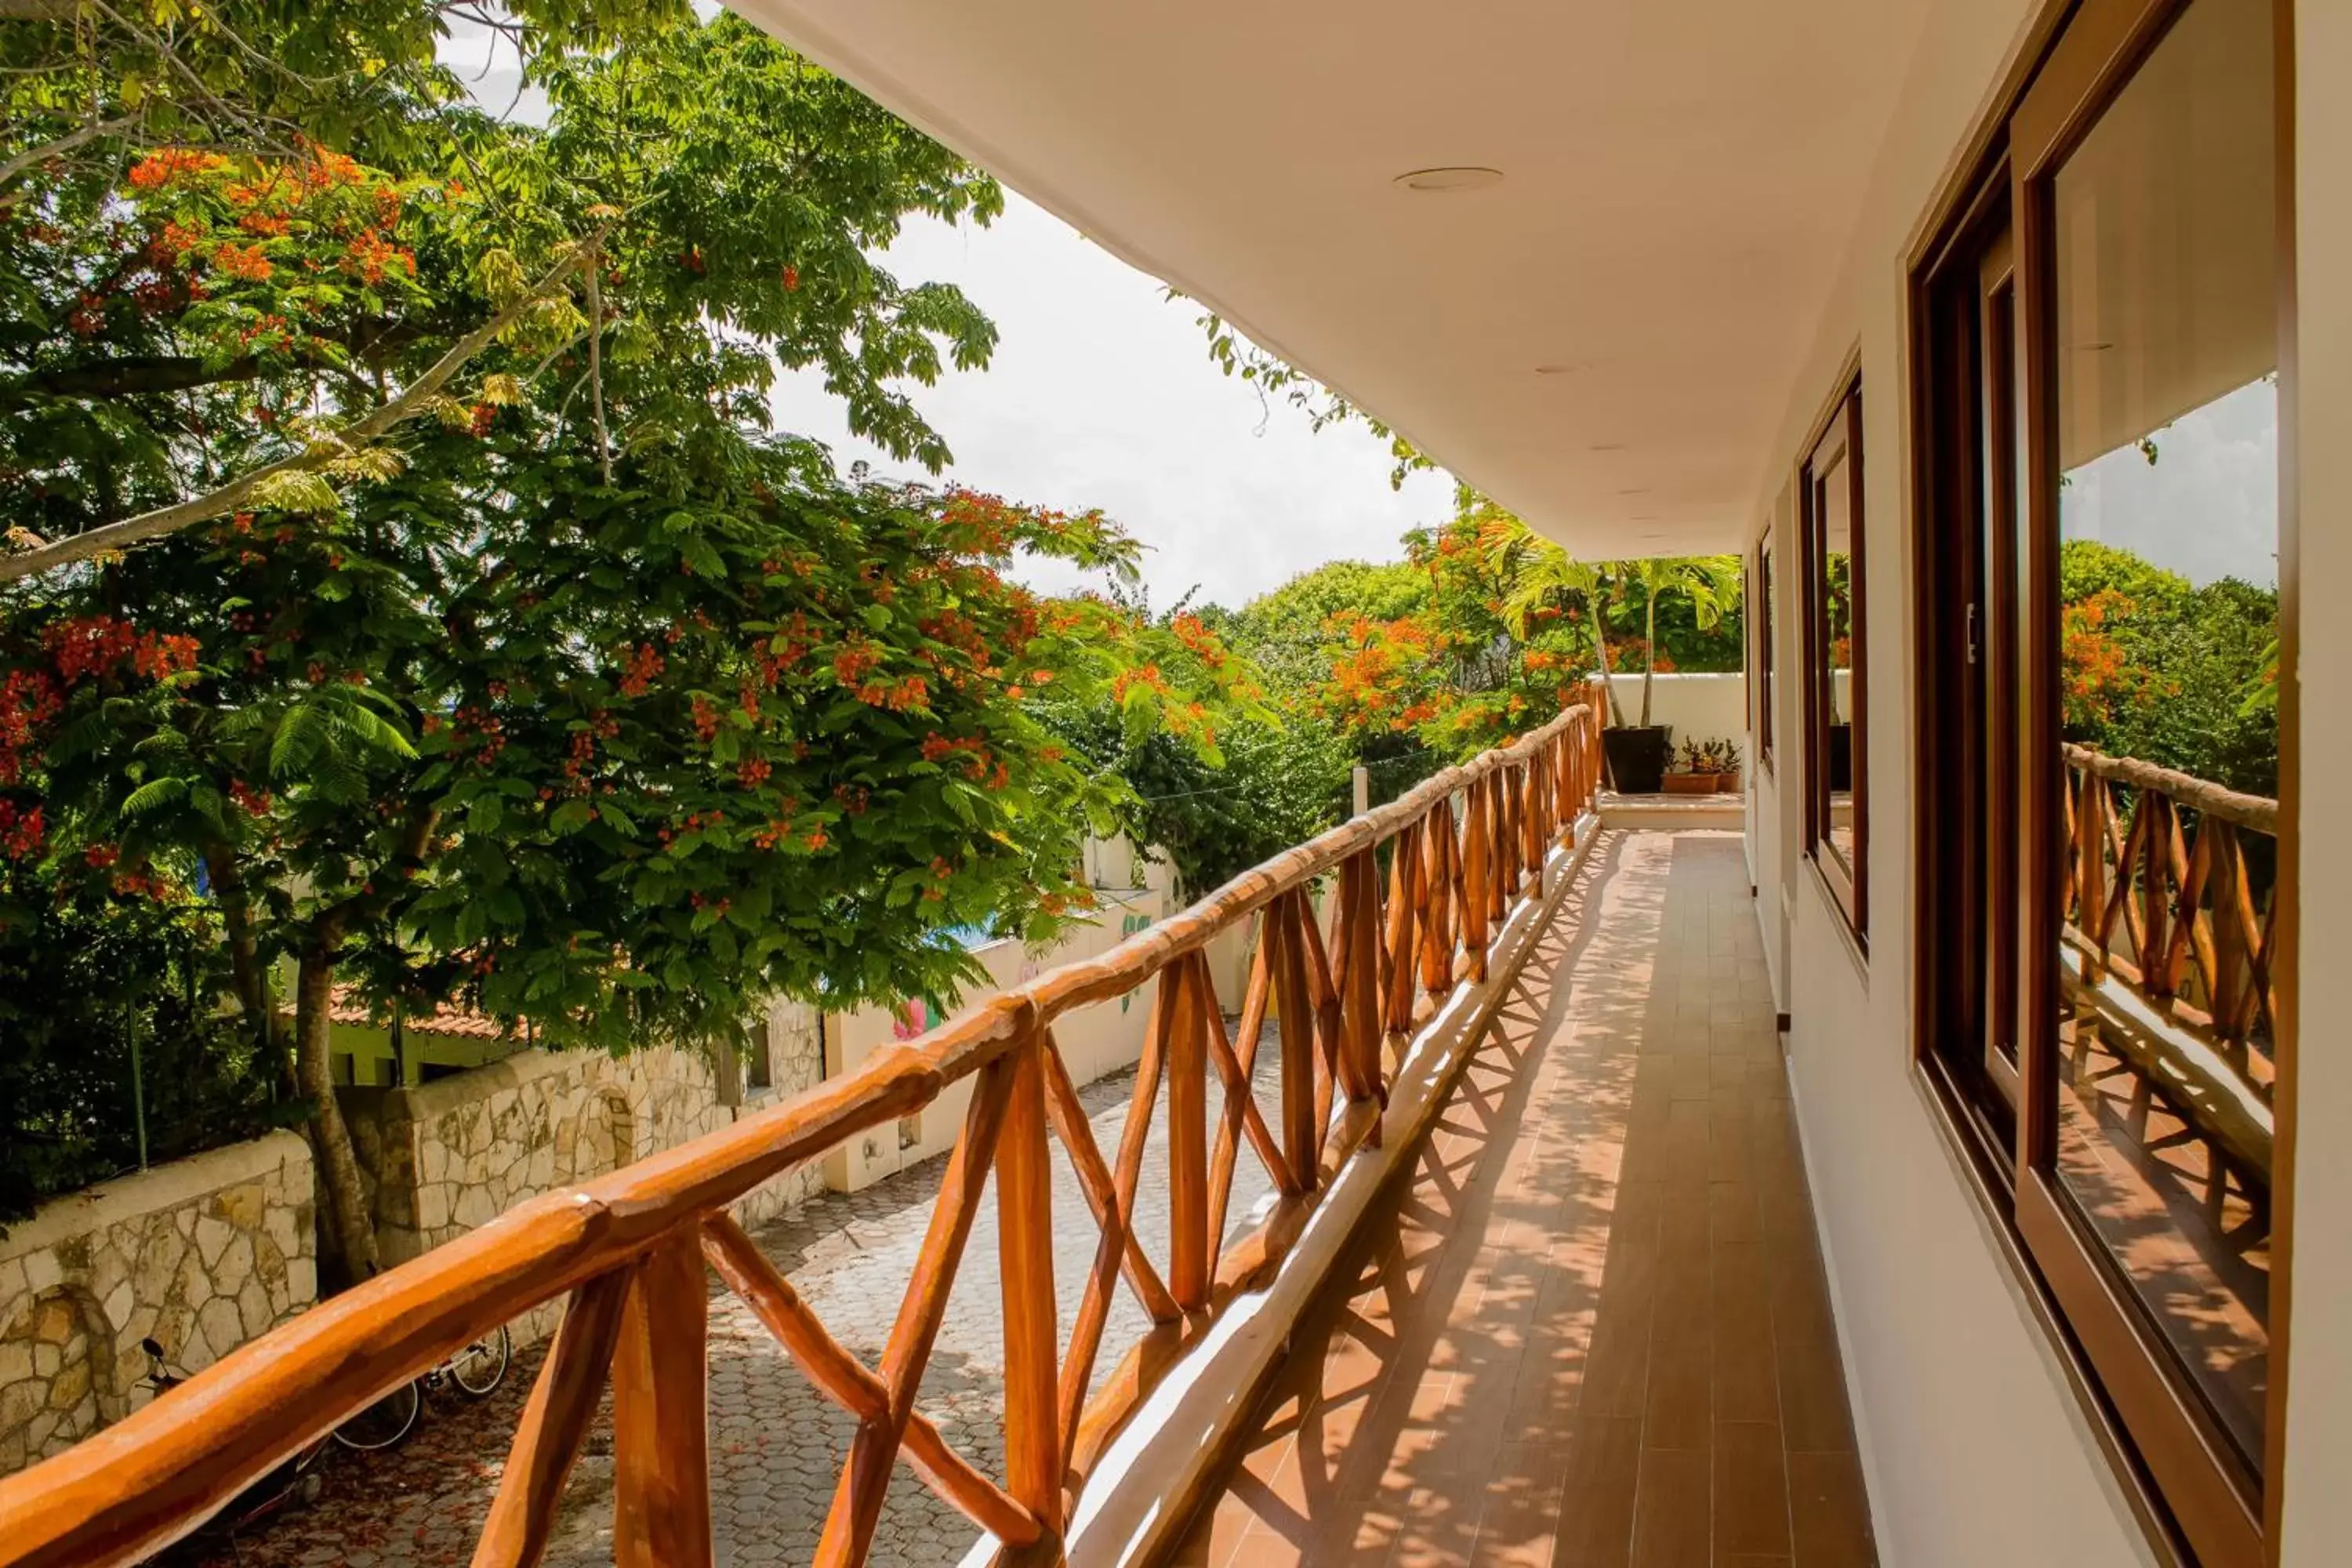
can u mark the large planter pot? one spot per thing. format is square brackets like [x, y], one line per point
[1693, 783]
[1842, 756]
[1637, 758]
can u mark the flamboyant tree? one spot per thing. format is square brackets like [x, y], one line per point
[1458, 671]
[488, 648]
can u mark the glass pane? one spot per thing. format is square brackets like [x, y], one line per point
[2169, 573]
[1834, 493]
[1764, 647]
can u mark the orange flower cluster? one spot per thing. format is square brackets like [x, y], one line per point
[244, 261]
[939, 748]
[643, 665]
[255, 802]
[1127, 681]
[851, 665]
[30, 700]
[370, 253]
[98, 644]
[165, 165]
[899, 696]
[22, 830]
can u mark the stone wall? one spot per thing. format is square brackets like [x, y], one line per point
[199, 1255]
[446, 1156]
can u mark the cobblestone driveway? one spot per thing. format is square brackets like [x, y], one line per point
[776, 1445]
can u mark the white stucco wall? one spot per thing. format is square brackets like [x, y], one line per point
[2318, 1504]
[1974, 1449]
[1707, 707]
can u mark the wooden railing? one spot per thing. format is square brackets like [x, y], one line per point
[2158, 894]
[630, 1248]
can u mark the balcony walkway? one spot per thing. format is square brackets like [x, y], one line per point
[1596, 1330]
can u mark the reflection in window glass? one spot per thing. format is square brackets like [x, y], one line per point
[1837, 560]
[1767, 692]
[1837, 795]
[2168, 658]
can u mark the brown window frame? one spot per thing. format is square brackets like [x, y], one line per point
[1761, 620]
[2199, 1500]
[1836, 443]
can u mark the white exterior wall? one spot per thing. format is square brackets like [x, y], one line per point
[1702, 707]
[1974, 1448]
[2318, 1504]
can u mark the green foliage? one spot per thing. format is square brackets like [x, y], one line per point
[584, 699]
[1289, 635]
[1276, 785]
[173, 312]
[86, 976]
[2170, 673]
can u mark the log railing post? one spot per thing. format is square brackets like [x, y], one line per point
[1406, 893]
[1287, 962]
[554, 1423]
[1438, 848]
[661, 1425]
[1189, 1263]
[1478, 862]
[2090, 873]
[1024, 1241]
[2155, 894]
[2225, 870]
[1360, 1036]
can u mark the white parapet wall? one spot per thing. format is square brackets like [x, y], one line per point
[1695, 707]
[199, 1255]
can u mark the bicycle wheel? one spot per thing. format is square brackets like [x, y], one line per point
[480, 1367]
[384, 1424]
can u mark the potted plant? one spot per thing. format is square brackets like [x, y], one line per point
[1636, 753]
[1723, 758]
[1692, 772]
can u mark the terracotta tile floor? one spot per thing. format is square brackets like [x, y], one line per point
[1592, 1329]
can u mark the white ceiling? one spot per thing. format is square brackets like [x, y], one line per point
[1680, 177]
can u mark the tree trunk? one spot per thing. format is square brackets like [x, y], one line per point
[245, 974]
[1650, 656]
[1608, 679]
[350, 1226]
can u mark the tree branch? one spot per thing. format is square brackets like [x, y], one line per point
[126, 377]
[596, 363]
[413, 401]
[31, 156]
[37, 10]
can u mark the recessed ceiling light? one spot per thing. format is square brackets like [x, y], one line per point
[1455, 177]
[1636, 490]
[1564, 367]
[1606, 447]
[2090, 348]
[1645, 517]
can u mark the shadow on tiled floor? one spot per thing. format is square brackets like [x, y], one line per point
[1590, 1326]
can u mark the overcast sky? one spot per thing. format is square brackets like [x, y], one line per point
[1102, 393]
[2206, 508]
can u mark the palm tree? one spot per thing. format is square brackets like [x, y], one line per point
[1541, 574]
[1711, 582]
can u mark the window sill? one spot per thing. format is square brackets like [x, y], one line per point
[1856, 943]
